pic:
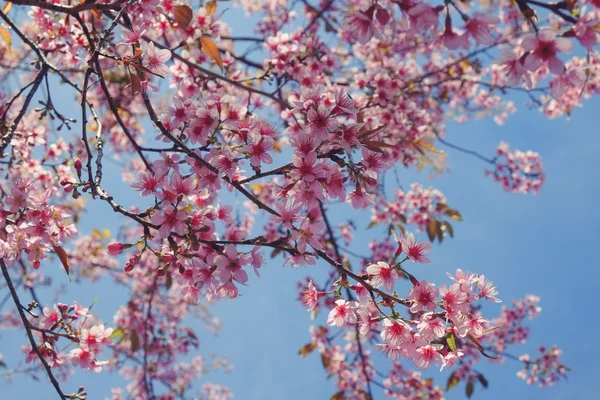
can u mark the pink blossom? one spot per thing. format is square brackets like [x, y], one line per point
[423, 297]
[426, 355]
[342, 314]
[513, 66]
[230, 265]
[361, 26]
[478, 27]
[395, 332]
[415, 251]
[320, 122]
[382, 274]
[542, 49]
[310, 296]
[155, 59]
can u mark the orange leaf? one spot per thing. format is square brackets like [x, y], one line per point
[7, 7]
[5, 34]
[62, 255]
[210, 48]
[211, 7]
[183, 15]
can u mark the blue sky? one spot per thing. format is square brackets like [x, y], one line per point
[543, 245]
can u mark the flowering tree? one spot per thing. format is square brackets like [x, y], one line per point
[317, 110]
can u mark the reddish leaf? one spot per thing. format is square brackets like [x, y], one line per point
[62, 256]
[480, 347]
[136, 83]
[183, 15]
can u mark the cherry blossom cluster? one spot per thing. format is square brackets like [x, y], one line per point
[242, 146]
[75, 324]
[518, 172]
[544, 371]
[416, 206]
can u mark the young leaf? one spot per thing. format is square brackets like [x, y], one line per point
[211, 7]
[116, 334]
[183, 15]
[5, 34]
[210, 49]
[451, 342]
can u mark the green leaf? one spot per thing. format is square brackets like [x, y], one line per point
[116, 334]
[451, 342]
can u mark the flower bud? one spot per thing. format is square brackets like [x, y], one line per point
[78, 164]
[115, 248]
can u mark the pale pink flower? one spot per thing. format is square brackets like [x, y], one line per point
[155, 59]
[382, 274]
[543, 48]
[478, 27]
[487, 289]
[321, 122]
[423, 297]
[415, 251]
[310, 296]
[342, 314]
[431, 327]
[170, 219]
[230, 265]
[395, 331]
[361, 26]
[259, 149]
[573, 78]
[426, 355]
[514, 68]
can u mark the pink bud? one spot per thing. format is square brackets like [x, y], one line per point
[78, 165]
[114, 248]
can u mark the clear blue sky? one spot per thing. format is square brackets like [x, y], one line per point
[544, 245]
